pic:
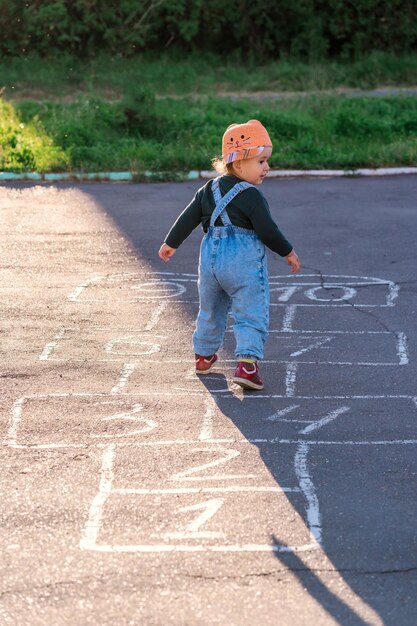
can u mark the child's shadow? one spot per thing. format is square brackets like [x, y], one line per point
[256, 416]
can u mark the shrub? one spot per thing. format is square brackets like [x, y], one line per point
[245, 29]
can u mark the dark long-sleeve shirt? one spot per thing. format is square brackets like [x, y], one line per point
[249, 209]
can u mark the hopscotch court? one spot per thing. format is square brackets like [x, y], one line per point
[214, 460]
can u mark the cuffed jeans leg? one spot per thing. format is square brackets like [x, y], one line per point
[212, 317]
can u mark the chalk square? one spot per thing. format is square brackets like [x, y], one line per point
[331, 291]
[331, 347]
[212, 466]
[268, 421]
[137, 287]
[353, 380]
[101, 344]
[239, 522]
[59, 420]
[335, 319]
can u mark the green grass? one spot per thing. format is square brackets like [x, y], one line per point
[112, 77]
[26, 146]
[141, 114]
[142, 133]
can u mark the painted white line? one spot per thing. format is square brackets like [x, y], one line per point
[147, 346]
[287, 279]
[131, 418]
[226, 455]
[336, 305]
[316, 344]
[207, 428]
[195, 534]
[276, 440]
[172, 442]
[14, 422]
[294, 278]
[123, 329]
[402, 348]
[290, 379]
[50, 347]
[156, 315]
[348, 294]
[53, 446]
[272, 304]
[290, 285]
[226, 361]
[289, 421]
[159, 290]
[312, 442]
[324, 420]
[183, 280]
[287, 291]
[271, 441]
[210, 508]
[288, 319]
[144, 273]
[338, 397]
[43, 446]
[17, 408]
[394, 290]
[105, 395]
[278, 416]
[127, 371]
[119, 444]
[328, 332]
[92, 527]
[140, 299]
[184, 490]
[308, 489]
[326, 284]
[74, 295]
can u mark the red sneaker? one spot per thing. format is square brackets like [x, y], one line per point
[247, 376]
[203, 364]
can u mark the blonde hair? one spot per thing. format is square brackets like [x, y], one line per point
[223, 168]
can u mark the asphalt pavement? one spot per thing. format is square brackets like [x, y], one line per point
[134, 492]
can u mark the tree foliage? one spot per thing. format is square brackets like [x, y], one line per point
[261, 29]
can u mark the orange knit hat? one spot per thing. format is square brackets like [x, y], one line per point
[244, 141]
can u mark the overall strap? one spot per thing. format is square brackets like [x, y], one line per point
[221, 203]
[216, 191]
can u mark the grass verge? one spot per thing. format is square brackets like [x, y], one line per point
[166, 74]
[142, 133]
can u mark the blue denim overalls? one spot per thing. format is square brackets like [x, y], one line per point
[232, 275]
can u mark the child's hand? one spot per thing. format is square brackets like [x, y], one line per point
[293, 261]
[165, 252]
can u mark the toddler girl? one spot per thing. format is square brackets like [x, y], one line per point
[232, 272]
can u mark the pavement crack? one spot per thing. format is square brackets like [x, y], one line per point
[373, 316]
[311, 570]
[48, 587]
[358, 308]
